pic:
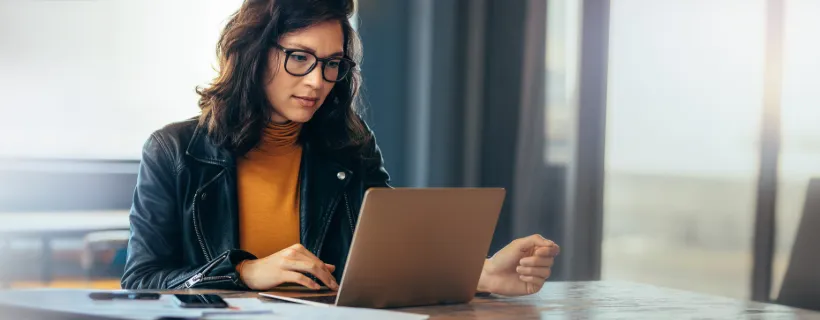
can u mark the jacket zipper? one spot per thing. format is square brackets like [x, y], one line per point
[197, 227]
[195, 214]
[200, 276]
[331, 210]
[197, 278]
[349, 216]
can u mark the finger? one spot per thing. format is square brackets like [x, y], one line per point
[330, 281]
[546, 251]
[298, 278]
[299, 252]
[541, 272]
[532, 287]
[535, 240]
[318, 270]
[537, 261]
[533, 280]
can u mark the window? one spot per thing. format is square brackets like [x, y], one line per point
[800, 122]
[563, 27]
[683, 121]
[93, 79]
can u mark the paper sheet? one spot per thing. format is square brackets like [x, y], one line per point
[77, 301]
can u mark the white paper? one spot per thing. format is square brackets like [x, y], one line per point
[78, 302]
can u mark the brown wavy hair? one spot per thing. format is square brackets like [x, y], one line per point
[235, 109]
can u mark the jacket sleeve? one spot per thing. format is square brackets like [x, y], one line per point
[155, 246]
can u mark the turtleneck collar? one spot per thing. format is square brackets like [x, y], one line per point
[280, 138]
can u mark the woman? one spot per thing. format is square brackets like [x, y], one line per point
[263, 187]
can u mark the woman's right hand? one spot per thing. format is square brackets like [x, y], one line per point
[286, 266]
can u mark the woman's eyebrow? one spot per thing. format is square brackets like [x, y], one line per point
[311, 50]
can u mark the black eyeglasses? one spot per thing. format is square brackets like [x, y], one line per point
[301, 62]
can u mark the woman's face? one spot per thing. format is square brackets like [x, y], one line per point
[296, 98]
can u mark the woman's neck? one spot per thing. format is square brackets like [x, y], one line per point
[280, 138]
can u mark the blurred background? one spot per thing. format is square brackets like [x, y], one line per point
[666, 142]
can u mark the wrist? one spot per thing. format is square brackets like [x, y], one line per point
[245, 269]
[484, 281]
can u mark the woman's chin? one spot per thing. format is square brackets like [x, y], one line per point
[300, 116]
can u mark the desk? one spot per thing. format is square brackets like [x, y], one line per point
[580, 300]
[51, 225]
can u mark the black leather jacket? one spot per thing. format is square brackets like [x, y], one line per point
[184, 215]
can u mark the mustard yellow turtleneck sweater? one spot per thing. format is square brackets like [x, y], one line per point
[268, 192]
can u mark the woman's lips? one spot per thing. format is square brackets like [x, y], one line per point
[307, 102]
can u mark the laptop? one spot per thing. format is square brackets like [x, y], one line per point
[413, 247]
[801, 283]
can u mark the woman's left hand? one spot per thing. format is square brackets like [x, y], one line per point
[520, 268]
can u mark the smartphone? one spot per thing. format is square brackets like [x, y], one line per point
[200, 301]
[107, 295]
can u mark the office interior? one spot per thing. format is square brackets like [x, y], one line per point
[671, 143]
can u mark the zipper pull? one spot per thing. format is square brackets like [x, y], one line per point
[194, 280]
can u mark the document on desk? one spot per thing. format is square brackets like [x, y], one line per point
[78, 302]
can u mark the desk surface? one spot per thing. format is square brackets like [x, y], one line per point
[601, 300]
[61, 223]
[613, 300]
